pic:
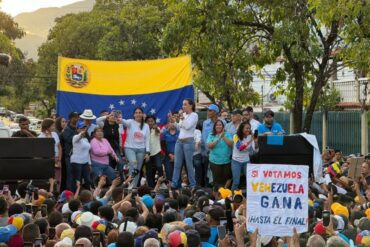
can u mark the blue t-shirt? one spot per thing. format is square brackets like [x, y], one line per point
[214, 236]
[206, 244]
[170, 140]
[275, 129]
[221, 153]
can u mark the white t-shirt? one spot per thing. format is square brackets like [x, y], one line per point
[187, 125]
[197, 139]
[254, 124]
[155, 142]
[81, 150]
[137, 137]
[55, 136]
[242, 155]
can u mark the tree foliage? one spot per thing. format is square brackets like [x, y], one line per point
[16, 91]
[129, 30]
[307, 35]
[219, 49]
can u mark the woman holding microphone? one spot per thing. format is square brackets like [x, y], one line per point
[185, 145]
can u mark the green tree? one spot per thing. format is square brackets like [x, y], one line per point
[220, 50]
[16, 91]
[113, 30]
[309, 36]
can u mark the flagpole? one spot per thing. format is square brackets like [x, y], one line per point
[58, 81]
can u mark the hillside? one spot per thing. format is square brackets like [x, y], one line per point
[38, 23]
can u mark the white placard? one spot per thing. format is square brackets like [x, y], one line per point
[277, 199]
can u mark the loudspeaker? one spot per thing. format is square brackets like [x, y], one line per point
[26, 158]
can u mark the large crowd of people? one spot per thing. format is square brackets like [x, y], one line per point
[122, 180]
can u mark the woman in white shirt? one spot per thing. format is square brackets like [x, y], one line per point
[137, 145]
[185, 145]
[245, 144]
[48, 131]
[155, 163]
[80, 158]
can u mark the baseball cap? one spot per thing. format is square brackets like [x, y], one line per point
[176, 239]
[199, 216]
[65, 195]
[224, 193]
[148, 201]
[338, 209]
[99, 225]
[236, 111]
[214, 108]
[319, 228]
[17, 220]
[269, 113]
[81, 125]
[150, 234]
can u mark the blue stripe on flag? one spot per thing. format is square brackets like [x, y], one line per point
[157, 104]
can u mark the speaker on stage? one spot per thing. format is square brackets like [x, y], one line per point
[293, 150]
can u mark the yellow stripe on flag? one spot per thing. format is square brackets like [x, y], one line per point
[124, 77]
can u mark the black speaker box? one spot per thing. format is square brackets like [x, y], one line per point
[295, 150]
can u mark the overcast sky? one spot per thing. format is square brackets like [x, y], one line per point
[14, 7]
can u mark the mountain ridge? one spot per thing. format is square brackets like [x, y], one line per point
[37, 24]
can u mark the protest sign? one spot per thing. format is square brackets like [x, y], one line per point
[277, 199]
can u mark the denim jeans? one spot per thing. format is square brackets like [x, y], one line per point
[135, 157]
[184, 149]
[200, 170]
[237, 168]
[154, 165]
[81, 172]
[99, 169]
[69, 173]
[168, 167]
[120, 160]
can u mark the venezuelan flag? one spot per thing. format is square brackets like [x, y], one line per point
[157, 86]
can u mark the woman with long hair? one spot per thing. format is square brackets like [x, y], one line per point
[60, 124]
[48, 131]
[110, 125]
[220, 143]
[100, 152]
[137, 146]
[185, 145]
[245, 144]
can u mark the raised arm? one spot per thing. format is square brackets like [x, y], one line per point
[100, 121]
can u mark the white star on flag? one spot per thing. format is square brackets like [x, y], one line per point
[133, 102]
[121, 102]
[111, 106]
[143, 105]
[158, 120]
[152, 111]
